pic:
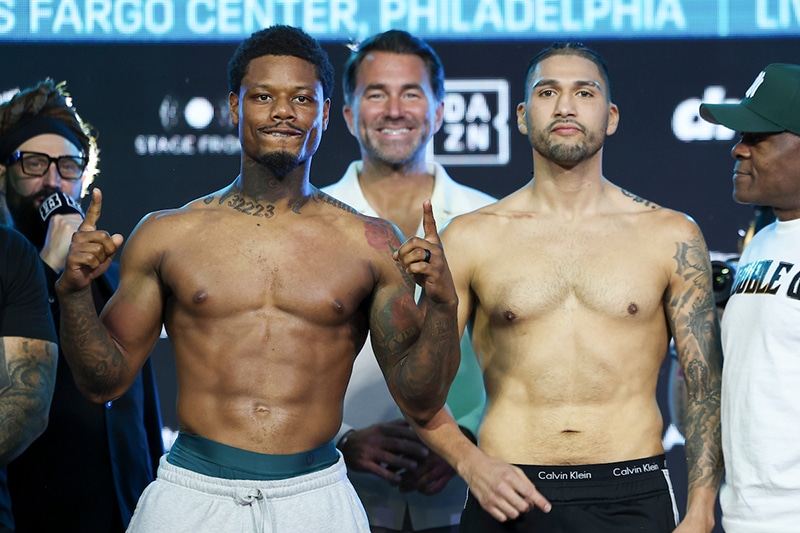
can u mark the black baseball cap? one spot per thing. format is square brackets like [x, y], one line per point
[771, 104]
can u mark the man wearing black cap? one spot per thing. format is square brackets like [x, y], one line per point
[760, 333]
[93, 461]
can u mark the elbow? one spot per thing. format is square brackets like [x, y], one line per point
[28, 432]
[423, 412]
[98, 395]
[38, 425]
[422, 418]
[99, 390]
[422, 398]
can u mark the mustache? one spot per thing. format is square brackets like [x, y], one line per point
[281, 126]
[562, 122]
[43, 193]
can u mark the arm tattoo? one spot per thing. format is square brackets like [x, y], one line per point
[395, 327]
[97, 364]
[26, 387]
[693, 321]
[380, 236]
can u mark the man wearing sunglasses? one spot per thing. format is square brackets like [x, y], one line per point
[93, 461]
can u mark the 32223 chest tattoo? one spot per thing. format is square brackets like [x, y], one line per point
[243, 204]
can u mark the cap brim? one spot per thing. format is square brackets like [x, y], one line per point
[738, 118]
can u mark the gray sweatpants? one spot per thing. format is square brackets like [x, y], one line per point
[180, 500]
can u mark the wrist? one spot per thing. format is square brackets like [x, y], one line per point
[53, 260]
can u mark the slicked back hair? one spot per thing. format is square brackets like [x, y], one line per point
[396, 42]
[572, 48]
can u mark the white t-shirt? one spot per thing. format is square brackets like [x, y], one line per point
[761, 386]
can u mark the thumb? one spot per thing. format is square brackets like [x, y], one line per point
[93, 213]
[429, 223]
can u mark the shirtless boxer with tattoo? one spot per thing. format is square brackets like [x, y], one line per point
[573, 288]
[267, 289]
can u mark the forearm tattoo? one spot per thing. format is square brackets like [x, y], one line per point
[694, 324]
[96, 362]
[26, 384]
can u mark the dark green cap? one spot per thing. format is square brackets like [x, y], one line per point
[771, 104]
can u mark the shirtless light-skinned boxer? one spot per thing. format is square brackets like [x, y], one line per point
[267, 289]
[573, 287]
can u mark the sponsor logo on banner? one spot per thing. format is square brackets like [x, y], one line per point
[689, 126]
[195, 125]
[475, 126]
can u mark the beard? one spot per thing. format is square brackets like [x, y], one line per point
[565, 154]
[280, 163]
[25, 213]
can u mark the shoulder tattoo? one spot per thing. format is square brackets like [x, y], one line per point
[639, 199]
[320, 196]
[380, 236]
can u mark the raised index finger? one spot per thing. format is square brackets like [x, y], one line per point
[93, 213]
[429, 223]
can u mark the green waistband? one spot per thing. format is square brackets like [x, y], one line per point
[214, 459]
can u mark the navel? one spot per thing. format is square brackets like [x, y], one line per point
[200, 296]
[261, 408]
[633, 309]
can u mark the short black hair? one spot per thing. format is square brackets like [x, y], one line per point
[280, 40]
[396, 42]
[572, 48]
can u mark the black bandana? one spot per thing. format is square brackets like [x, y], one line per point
[29, 129]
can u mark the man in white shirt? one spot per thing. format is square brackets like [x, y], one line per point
[394, 92]
[760, 334]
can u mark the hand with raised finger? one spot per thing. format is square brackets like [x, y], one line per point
[424, 259]
[91, 251]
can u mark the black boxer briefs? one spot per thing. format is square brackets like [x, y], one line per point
[630, 496]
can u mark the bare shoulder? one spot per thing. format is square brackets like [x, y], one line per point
[159, 231]
[659, 220]
[159, 224]
[672, 225]
[370, 235]
[461, 227]
[673, 239]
